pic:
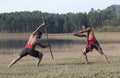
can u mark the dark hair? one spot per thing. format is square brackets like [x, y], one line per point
[85, 25]
[38, 33]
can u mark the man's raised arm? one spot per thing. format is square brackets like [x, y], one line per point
[38, 28]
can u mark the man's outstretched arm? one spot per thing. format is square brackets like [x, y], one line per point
[43, 46]
[79, 34]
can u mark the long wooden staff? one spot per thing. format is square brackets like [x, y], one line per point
[47, 37]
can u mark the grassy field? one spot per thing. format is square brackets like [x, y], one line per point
[68, 62]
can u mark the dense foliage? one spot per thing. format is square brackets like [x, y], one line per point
[57, 23]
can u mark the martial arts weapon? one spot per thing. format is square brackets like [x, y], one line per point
[47, 37]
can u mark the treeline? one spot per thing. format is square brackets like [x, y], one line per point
[57, 23]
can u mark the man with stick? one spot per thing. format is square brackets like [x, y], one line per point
[29, 49]
[92, 42]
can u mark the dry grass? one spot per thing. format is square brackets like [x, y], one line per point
[68, 63]
[108, 36]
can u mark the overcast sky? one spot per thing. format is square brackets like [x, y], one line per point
[55, 6]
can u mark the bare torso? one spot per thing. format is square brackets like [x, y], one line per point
[33, 40]
[90, 34]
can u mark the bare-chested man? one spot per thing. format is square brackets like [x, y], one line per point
[92, 42]
[30, 47]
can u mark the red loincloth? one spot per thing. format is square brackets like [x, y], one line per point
[29, 46]
[90, 43]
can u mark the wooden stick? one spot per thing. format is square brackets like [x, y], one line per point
[47, 37]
